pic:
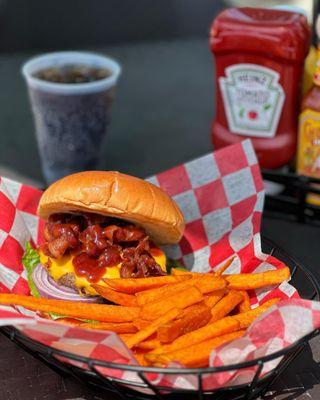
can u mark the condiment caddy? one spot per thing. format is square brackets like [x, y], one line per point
[264, 67]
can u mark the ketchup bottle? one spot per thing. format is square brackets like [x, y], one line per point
[259, 56]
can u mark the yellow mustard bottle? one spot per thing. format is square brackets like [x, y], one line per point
[309, 70]
[308, 154]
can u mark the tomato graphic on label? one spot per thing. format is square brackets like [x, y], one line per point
[252, 114]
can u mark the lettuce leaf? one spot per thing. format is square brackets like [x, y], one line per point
[174, 264]
[30, 260]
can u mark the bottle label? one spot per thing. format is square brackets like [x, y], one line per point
[253, 99]
[316, 76]
[308, 160]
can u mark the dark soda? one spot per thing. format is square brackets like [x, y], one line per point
[72, 74]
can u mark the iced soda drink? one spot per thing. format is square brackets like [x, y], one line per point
[71, 95]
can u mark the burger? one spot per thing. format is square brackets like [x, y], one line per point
[100, 225]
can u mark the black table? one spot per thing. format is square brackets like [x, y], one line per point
[161, 118]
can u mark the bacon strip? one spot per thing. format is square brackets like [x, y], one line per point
[106, 240]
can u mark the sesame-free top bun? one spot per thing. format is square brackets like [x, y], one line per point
[117, 195]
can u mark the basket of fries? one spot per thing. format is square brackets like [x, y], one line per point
[227, 317]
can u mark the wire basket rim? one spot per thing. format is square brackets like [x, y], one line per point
[164, 370]
[185, 371]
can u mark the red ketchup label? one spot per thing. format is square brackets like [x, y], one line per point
[253, 99]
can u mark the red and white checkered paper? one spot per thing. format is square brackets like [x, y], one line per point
[221, 196]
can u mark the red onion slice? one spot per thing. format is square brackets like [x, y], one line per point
[48, 288]
[56, 285]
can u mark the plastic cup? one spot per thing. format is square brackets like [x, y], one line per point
[71, 119]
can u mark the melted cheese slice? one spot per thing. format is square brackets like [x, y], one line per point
[63, 266]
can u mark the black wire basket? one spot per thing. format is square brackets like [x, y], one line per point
[291, 202]
[143, 388]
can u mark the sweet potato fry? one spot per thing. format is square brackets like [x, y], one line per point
[208, 283]
[120, 327]
[149, 330]
[225, 305]
[139, 356]
[123, 299]
[69, 321]
[205, 283]
[149, 344]
[245, 319]
[225, 325]
[224, 267]
[244, 306]
[193, 318]
[259, 280]
[141, 323]
[188, 309]
[151, 295]
[211, 299]
[178, 272]
[194, 356]
[134, 285]
[125, 336]
[182, 299]
[97, 312]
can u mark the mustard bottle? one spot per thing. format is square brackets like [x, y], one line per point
[308, 154]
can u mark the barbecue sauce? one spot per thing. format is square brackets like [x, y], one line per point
[88, 267]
